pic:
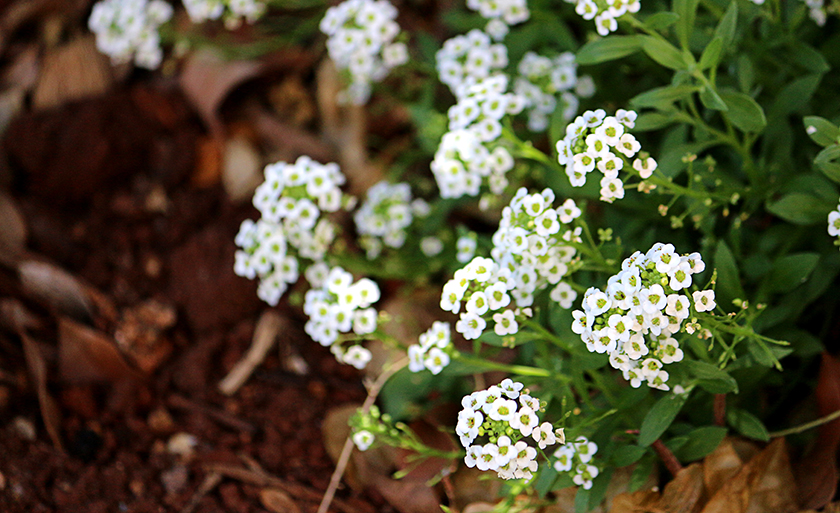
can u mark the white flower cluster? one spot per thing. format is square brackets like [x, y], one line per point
[541, 79]
[816, 10]
[233, 11]
[466, 154]
[501, 13]
[360, 41]
[575, 457]
[431, 352]
[834, 222]
[336, 304]
[605, 13]
[384, 216]
[635, 319]
[128, 30]
[465, 247]
[290, 202]
[595, 140]
[468, 59]
[534, 242]
[508, 423]
[531, 249]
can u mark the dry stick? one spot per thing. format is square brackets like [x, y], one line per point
[265, 334]
[226, 419]
[720, 409]
[211, 481]
[347, 450]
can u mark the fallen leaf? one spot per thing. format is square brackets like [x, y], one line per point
[241, 168]
[685, 493]
[720, 466]
[139, 333]
[636, 502]
[86, 355]
[13, 231]
[72, 72]
[278, 501]
[56, 288]
[817, 474]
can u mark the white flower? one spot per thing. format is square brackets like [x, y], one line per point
[565, 458]
[363, 439]
[585, 475]
[436, 360]
[834, 223]
[525, 420]
[502, 409]
[505, 323]
[511, 388]
[357, 356]
[704, 300]
[544, 435]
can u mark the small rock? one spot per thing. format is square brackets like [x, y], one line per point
[175, 479]
[25, 428]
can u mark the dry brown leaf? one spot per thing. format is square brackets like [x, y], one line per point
[22, 73]
[471, 487]
[56, 288]
[89, 356]
[817, 473]
[286, 140]
[685, 493]
[139, 333]
[241, 168]
[208, 162]
[278, 501]
[13, 232]
[72, 72]
[639, 501]
[720, 466]
[207, 79]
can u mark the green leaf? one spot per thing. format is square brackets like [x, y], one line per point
[663, 95]
[660, 417]
[809, 57]
[826, 161]
[727, 25]
[711, 100]
[653, 121]
[701, 442]
[663, 52]
[608, 49]
[747, 424]
[744, 112]
[711, 54]
[545, 480]
[795, 95]
[791, 271]
[801, 209]
[821, 130]
[661, 20]
[729, 279]
[627, 455]
[686, 9]
[711, 378]
[641, 474]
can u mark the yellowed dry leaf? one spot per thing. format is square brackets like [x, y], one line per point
[685, 493]
[639, 501]
[720, 466]
[72, 72]
[13, 231]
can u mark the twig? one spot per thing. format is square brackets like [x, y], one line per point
[211, 481]
[808, 425]
[448, 489]
[265, 334]
[182, 403]
[347, 450]
[720, 409]
[668, 459]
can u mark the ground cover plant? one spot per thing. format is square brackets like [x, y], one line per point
[626, 213]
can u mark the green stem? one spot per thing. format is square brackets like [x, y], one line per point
[808, 425]
[520, 370]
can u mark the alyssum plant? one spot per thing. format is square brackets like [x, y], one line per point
[656, 245]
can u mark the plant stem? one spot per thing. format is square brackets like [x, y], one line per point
[521, 370]
[808, 425]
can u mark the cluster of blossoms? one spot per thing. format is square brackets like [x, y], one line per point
[531, 249]
[507, 423]
[468, 59]
[361, 42]
[542, 79]
[816, 10]
[606, 12]
[834, 222]
[290, 201]
[233, 11]
[575, 458]
[128, 30]
[384, 216]
[465, 247]
[595, 140]
[469, 153]
[431, 353]
[336, 304]
[501, 13]
[635, 319]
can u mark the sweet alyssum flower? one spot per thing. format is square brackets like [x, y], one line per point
[597, 141]
[574, 458]
[834, 222]
[233, 11]
[362, 43]
[471, 152]
[605, 13]
[504, 13]
[468, 59]
[509, 417]
[433, 350]
[385, 215]
[635, 319]
[127, 30]
[291, 228]
[542, 79]
[339, 305]
[465, 247]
